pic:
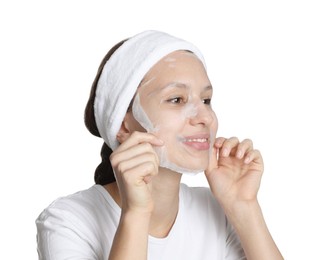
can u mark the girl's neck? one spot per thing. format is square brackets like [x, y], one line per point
[166, 187]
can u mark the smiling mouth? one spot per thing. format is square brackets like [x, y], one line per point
[196, 140]
[197, 143]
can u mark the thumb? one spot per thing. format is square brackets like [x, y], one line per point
[213, 160]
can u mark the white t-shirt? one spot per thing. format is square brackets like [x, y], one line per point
[83, 225]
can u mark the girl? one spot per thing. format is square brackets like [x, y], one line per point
[151, 103]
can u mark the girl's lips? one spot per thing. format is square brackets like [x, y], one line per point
[198, 142]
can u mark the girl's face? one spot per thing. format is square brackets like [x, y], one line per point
[173, 102]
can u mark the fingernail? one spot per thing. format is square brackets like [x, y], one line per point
[218, 143]
[239, 154]
[225, 152]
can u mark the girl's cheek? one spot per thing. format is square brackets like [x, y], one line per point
[161, 121]
[159, 118]
[167, 119]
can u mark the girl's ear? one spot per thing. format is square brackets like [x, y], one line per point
[124, 131]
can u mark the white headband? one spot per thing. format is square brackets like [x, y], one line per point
[123, 73]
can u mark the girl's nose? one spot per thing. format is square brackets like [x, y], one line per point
[203, 114]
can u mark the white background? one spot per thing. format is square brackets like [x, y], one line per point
[258, 55]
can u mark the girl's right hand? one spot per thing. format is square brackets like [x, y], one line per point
[135, 163]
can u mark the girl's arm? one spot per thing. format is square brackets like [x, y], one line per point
[234, 176]
[250, 226]
[131, 238]
[135, 163]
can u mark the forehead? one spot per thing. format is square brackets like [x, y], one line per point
[178, 56]
[179, 66]
[174, 60]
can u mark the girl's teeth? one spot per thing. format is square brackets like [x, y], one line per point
[199, 140]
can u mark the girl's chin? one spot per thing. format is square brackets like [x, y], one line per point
[184, 158]
[192, 166]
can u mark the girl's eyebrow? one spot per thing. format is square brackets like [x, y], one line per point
[178, 85]
[208, 88]
[170, 86]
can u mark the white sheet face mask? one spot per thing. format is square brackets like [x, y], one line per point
[189, 110]
[169, 104]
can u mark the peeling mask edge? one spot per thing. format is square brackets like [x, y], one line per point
[142, 118]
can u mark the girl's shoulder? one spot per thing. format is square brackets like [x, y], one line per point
[81, 204]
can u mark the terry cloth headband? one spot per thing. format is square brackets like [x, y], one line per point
[123, 73]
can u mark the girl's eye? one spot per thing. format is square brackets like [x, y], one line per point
[207, 101]
[176, 100]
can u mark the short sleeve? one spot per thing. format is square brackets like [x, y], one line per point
[62, 234]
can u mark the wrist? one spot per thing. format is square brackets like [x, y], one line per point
[236, 206]
[243, 213]
[136, 216]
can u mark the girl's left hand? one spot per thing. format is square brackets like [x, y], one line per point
[235, 171]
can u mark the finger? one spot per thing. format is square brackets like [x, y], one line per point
[253, 156]
[243, 147]
[133, 162]
[213, 160]
[140, 137]
[140, 173]
[125, 155]
[229, 146]
[219, 142]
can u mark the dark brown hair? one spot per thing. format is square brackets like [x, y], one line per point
[104, 173]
